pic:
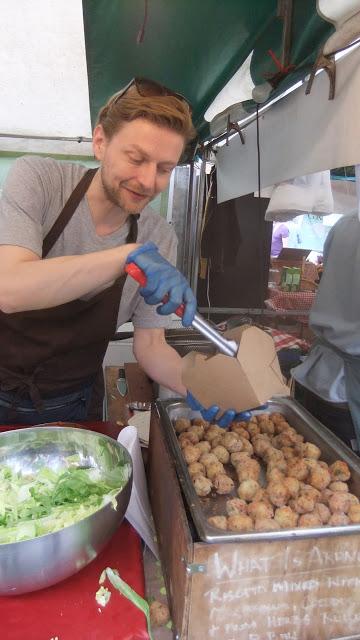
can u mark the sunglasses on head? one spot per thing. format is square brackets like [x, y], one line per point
[148, 88]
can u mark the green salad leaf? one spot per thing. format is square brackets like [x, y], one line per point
[49, 501]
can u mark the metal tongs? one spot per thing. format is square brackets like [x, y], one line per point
[227, 347]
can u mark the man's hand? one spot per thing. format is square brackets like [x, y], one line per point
[211, 413]
[163, 280]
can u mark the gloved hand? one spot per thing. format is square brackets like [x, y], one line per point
[163, 279]
[226, 418]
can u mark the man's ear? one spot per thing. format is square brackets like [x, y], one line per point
[99, 142]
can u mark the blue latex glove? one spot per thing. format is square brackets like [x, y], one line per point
[225, 419]
[163, 279]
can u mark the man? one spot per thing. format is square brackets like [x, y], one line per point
[328, 381]
[65, 237]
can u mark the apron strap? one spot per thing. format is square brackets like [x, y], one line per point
[67, 212]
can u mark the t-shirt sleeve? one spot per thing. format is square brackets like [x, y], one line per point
[284, 231]
[145, 316]
[22, 206]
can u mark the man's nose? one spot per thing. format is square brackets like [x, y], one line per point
[147, 177]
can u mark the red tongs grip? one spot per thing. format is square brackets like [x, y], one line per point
[135, 272]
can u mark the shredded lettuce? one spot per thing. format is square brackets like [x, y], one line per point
[49, 501]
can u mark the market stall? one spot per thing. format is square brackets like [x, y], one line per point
[225, 574]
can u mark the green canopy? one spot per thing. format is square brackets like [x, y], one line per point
[194, 46]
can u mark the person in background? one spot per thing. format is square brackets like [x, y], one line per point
[66, 235]
[278, 240]
[327, 383]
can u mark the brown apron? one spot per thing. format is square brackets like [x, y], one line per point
[52, 352]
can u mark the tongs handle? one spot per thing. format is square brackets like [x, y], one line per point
[135, 272]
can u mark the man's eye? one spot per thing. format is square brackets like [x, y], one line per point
[135, 160]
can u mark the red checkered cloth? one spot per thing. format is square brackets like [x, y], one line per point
[290, 301]
[286, 340]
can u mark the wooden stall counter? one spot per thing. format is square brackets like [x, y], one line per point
[300, 589]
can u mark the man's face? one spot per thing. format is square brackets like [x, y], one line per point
[136, 163]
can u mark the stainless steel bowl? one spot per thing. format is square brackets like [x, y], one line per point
[43, 561]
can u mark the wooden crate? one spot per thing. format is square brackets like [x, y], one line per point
[280, 590]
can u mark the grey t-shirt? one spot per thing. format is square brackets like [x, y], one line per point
[335, 314]
[34, 194]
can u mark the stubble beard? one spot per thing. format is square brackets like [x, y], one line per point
[114, 196]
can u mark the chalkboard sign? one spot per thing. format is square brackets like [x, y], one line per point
[293, 590]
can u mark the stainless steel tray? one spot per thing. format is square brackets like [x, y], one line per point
[201, 508]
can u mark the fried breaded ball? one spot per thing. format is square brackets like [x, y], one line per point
[204, 446]
[236, 505]
[196, 467]
[261, 496]
[231, 441]
[272, 455]
[191, 454]
[311, 451]
[286, 517]
[248, 470]
[189, 435]
[339, 486]
[338, 519]
[283, 439]
[339, 502]
[201, 422]
[297, 469]
[354, 513]
[201, 484]
[214, 468]
[289, 453]
[185, 443]
[198, 429]
[221, 453]
[239, 522]
[278, 493]
[339, 470]
[325, 495]
[182, 424]
[319, 477]
[265, 524]
[212, 432]
[259, 509]
[238, 457]
[220, 522]
[267, 427]
[247, 489]
[292, 485]
[273, 474]
[208, 458]
[253, 429]
[261, 444]
[323, 512]
[276, 417]
[280, 465]
[247, 446]
[309, 490]
[159, 614]
[223, 484]
[215, 442]
[353, 499]
[309, 520]
[242, 432]
[303, 504]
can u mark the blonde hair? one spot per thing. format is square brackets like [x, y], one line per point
[163, 110]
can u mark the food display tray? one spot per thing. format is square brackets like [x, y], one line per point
[202, 508]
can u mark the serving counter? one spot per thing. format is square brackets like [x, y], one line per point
[268, 589]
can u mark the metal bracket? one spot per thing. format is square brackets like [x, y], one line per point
[233, 126]
[328, 64]
[194, 567]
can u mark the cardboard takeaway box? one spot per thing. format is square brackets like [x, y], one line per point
[240, 383]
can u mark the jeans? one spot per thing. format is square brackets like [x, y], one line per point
[68, 408]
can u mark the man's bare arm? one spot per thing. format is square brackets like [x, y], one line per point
[27, 282]
[160, 361]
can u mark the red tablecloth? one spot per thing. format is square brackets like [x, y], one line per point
[290, 301]
[69, 610]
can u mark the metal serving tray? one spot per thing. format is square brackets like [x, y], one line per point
[201, 508]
